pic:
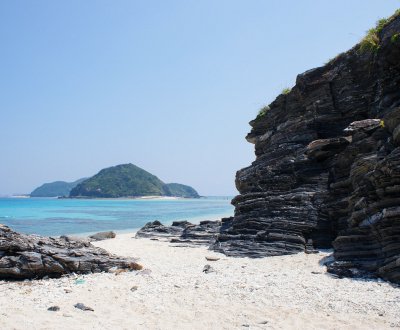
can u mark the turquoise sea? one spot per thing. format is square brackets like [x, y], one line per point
[53, 217]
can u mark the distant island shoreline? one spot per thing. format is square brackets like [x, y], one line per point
[120, 181]
[125, 198]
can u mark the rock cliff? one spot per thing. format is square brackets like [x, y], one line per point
[327, 167]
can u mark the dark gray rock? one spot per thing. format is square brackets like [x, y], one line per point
[208, 269]
[102, 235]
[157, 230]
[32, 256]
[327, 167]
[184, 232]
[83, 307]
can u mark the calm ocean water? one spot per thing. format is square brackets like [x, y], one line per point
[47, 216]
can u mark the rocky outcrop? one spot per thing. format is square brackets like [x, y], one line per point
[184, 232]
[157, 230]
[31, 256]
[327, 168]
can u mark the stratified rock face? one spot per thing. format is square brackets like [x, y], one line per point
[32, 256]
[327, 166]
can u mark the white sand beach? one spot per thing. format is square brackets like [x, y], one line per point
[173, 292]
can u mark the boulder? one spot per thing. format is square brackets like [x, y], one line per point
[157, 230]
[102, 235]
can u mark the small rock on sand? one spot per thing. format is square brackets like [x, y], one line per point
[103, 235]
[53, 309]
[83, 307]
[212, 258]
[208, 269]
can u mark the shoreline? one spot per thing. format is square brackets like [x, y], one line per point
[172, 291]
[161, 198]
[195, 221]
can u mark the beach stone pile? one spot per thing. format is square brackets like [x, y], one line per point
[327, 167]
[182, 232]
[32, 256]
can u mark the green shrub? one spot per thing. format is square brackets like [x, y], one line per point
[371, 41]
[395, 37]
[286, 91]
[263, 111]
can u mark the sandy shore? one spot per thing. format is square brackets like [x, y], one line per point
[288, 292]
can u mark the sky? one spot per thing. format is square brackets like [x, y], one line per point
[169, 86]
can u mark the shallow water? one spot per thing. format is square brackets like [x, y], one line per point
[49, 216]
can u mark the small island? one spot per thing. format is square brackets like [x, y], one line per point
[55, 189]
[128, 180]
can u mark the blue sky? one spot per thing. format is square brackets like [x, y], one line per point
[167, 85]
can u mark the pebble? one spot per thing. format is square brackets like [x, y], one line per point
[212, 258]
[208, 269]
[83, 307]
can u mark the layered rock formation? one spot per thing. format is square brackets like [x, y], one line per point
[32, 256]
[327, 168]
[184, 232]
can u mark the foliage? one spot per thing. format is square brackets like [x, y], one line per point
[286, 91]
[395, 37]
[55, 189]
[263, 111]
[371, 42]
[180, 190]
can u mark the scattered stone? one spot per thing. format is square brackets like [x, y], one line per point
[83, 307]
[314, 272]
[157, 230]
[67, 290]
[182, 232]
[102, 235]
[208, 269]
[212, 258]
[145, 272]
[135, 266]
[134, 288]
[53, 308]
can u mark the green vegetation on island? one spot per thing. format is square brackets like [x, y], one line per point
[55, 189]
[128, 180]
[180, 190]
